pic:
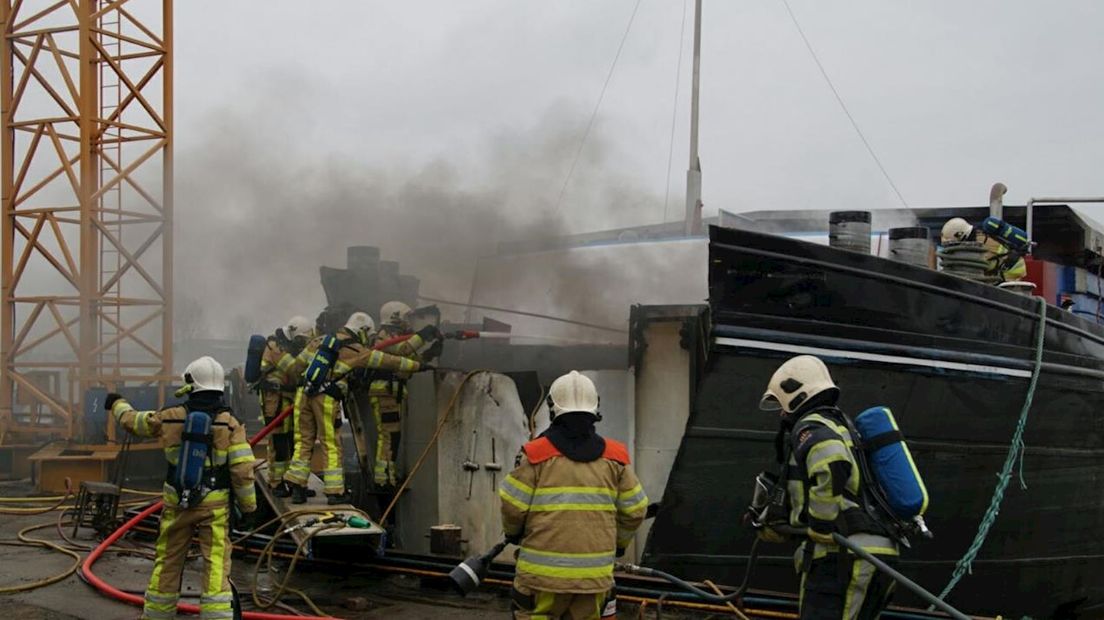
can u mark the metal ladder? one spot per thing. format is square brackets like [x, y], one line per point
[110, 201]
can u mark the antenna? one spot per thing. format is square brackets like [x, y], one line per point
[693, 173]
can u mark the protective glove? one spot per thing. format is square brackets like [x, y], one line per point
[246, 521]
[514, 539]
[112, 398]
[434, 351]
[770, 535]
[429, 332]
[824, 538]
[620, 552]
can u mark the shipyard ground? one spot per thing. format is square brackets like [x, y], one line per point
[356, 595]
[359, 595]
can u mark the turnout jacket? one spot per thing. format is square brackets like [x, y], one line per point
[229, 448]
[393, 385]
[572, 518]
[276, 366]
[824, 485]
[351, 355]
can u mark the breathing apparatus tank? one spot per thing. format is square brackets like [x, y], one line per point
[191, 477]
[1011, 237]
[319, 369]
[891, 463]
[253, 355]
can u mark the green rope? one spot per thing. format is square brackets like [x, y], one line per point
[1015, 455]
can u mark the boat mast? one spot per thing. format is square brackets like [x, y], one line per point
[693, 222]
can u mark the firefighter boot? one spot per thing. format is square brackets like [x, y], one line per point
[298, 494]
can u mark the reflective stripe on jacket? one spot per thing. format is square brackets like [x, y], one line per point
[229, 447]
[571, 516]
[276, 363]
[824, 484]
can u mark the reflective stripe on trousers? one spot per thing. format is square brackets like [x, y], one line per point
[540, 605]
[315, 417]
[385, 470]
[303, 435]
[178, 526]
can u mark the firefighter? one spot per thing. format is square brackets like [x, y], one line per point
[277, 392]
[572, 505]
[957, 230]
[190, 512]
[318, 413]
[387, 391]
[824, 490]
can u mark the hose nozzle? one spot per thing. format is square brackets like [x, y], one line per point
[468, 574]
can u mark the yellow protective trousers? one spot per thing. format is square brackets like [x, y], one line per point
[532, 604]
[315, 418]
[178, 526]
[387, 413]
[279, 443]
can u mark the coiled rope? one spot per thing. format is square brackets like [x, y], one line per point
[1015, 455]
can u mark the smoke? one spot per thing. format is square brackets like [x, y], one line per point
[256, 216]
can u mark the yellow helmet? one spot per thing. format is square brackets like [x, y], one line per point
[795, 382]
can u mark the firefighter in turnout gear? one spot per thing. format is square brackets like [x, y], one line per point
[387, 390]
[202, 512]
[318, 414]
[572, 505]
[824, 490]
[277, 392]
[957, 230]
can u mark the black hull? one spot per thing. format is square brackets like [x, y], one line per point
[952, 359]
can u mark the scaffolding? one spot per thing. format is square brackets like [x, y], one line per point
[87, 206]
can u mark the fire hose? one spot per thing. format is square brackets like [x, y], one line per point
[841, 541]
[111, 591]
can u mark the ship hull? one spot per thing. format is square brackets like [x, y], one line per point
[953, 360]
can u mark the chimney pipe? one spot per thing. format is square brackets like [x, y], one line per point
[996, 200]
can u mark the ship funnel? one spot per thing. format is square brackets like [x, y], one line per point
[996, 200]
[912, 245]
[849, 230]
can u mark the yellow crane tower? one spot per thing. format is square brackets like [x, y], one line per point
[86, 89]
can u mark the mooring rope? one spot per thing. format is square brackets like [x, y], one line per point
[1015, 455]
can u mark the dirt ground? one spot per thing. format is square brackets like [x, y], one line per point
[399, 597]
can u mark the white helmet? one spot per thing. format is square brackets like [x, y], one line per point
[361, 324]
[572, 392]
[299, 326]
[795, 382]
[205, 374]
[955, 230]
[394, 313]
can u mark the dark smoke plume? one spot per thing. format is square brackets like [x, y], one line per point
[255, 221]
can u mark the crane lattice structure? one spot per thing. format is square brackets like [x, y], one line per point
[87, 206]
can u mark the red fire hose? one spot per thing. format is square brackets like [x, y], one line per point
[133, 599]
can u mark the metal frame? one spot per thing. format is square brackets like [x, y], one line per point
[87, 203]
[1037, 201]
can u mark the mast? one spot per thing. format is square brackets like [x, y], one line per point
[693, 222]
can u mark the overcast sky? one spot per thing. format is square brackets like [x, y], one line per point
[952, 95]
[435, 128]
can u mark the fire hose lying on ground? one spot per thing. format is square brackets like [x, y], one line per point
[111, 591]
[469, 574]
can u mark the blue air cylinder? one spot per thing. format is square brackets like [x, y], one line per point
[891, 462]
